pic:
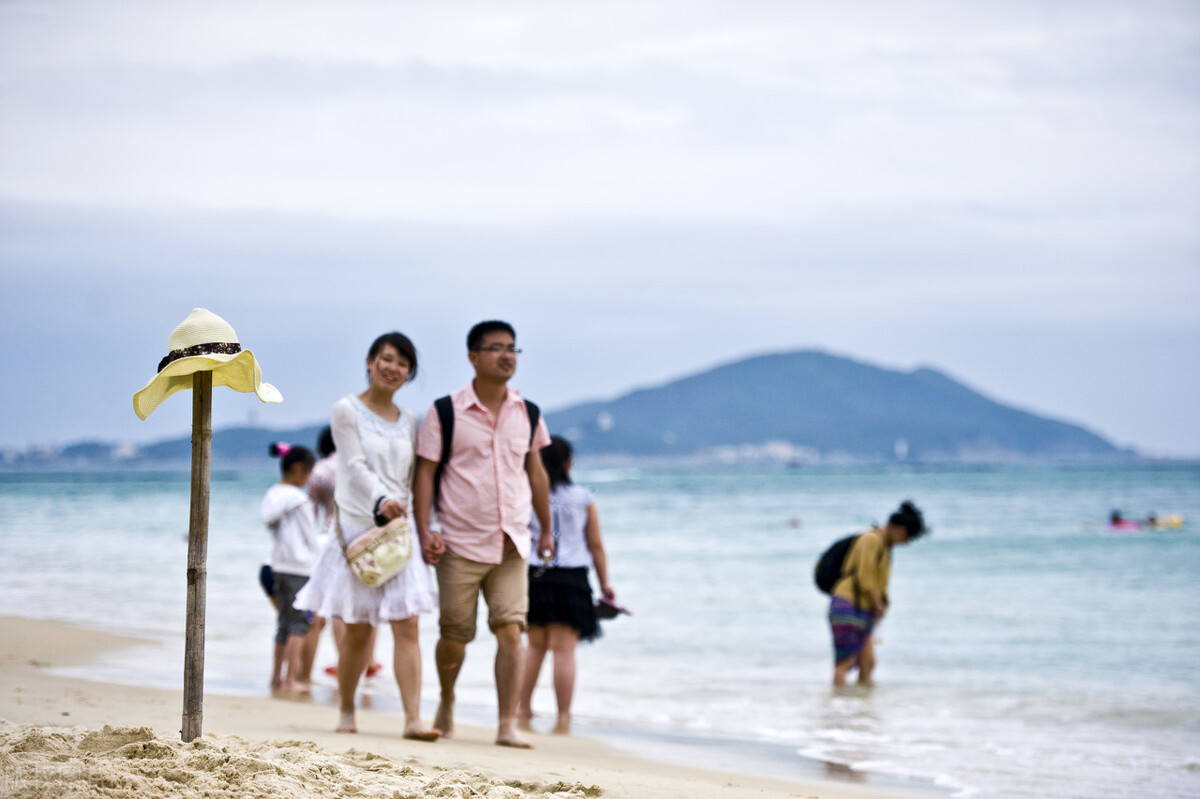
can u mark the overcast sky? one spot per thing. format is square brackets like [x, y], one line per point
[1008, 192]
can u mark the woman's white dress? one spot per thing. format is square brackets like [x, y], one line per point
[375, 458]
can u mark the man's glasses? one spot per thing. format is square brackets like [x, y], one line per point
[496, 349]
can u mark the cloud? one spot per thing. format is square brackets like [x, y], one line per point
[1007, 191]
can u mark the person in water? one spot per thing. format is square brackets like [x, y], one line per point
[859, 599]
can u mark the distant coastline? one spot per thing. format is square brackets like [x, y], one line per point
[794, 408]
[246, 448]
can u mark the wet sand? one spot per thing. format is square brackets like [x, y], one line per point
[70, 737]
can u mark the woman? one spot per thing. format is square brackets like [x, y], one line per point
[859, 598]
[375, 442]
[321, 484]
[561, 612]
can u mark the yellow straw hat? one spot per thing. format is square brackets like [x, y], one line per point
[203, 342]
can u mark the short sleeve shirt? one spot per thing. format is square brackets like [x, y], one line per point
[485, 492]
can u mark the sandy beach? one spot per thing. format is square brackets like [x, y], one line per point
[68, 737]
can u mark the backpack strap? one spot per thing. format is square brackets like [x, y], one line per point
[445, 411]
[535, 413]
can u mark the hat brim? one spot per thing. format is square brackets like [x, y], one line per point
[239, 372]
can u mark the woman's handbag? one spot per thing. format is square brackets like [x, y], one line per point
[380, 553]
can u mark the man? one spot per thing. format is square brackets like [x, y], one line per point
[493, 479]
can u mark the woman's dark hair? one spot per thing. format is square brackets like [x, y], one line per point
[289, 456]
[555, 456]
[910, 518]
[403, 345]
[475, 337]
[325, 444]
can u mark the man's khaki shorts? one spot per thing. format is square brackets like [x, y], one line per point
[505, 588]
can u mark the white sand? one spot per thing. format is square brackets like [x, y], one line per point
[64, 737]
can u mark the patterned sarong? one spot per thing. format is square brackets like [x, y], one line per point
[851, 627]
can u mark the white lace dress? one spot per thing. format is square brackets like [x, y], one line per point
[375, 458]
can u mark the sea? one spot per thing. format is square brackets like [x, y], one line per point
[1030, 651]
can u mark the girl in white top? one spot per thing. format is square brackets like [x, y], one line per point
[376, 449]
[288, 515]
[561, 612]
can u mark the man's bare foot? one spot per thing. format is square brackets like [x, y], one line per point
[416, 731]
[507, 736]
[563, 726]
[346, 723]
[525, 723]
[443, 720]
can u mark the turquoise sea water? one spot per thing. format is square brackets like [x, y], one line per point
[1029, 652]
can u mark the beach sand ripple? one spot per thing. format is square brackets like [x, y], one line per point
[134, 763]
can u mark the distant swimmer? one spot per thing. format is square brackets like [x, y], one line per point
[1152, 521]
[1119, 523]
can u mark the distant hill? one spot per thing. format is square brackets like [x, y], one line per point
[804, 406]
[811, 405]
[232, 446]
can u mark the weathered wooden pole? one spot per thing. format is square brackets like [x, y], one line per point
[197, 570]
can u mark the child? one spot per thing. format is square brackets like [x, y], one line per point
[288, 514]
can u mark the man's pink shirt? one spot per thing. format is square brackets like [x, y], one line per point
[485, 488]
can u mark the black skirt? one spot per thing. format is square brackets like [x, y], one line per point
[563, 596]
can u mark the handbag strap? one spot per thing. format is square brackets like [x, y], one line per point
[337, 526]
[337, 515]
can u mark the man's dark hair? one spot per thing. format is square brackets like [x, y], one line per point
[476, 336]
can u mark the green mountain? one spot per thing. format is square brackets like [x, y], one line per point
[794, 406]
[810, 405]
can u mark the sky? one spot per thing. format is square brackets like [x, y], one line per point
[1006, 192]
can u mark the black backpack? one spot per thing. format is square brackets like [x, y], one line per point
[829, 566]
[445, 412]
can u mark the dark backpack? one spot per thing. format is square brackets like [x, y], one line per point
[445, 412]
[829, 565]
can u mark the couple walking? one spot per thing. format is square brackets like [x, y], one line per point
[487, 489]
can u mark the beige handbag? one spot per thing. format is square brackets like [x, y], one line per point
[380, 553]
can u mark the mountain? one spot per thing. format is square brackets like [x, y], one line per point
[810, 405]
[793, 406]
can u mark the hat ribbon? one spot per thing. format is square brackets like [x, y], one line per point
[212, 348]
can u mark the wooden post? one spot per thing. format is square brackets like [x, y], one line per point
[197, 571]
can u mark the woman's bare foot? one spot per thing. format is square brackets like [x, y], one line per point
[443, 721]
[346, 723]
[525, 723]
[563, 726]
[507, 736]
[416, 731]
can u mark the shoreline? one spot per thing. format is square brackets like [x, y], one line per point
[32, 697]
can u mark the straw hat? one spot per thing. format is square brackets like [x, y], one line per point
[204, 342]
